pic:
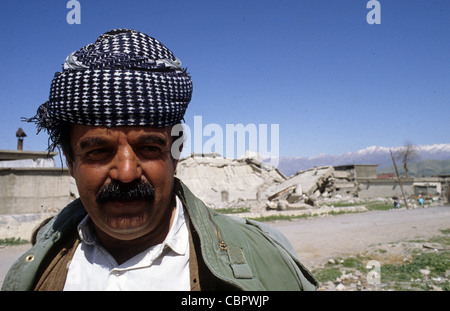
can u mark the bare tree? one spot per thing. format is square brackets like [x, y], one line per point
[407, 154]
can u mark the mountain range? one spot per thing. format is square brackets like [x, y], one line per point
[372, 155]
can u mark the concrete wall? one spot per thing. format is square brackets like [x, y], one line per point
[372, 188]
[35, 190]
[365, 171]
[384, 188]
[359, 171]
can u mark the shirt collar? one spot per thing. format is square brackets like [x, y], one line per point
[178, 237]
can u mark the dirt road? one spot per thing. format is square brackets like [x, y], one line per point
[320, 238]
[317, 239]
[8, 255]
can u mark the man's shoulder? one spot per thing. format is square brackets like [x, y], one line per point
[22, 275]
[232, 227]
[256, 240]
[62, 223]
[246, 242]
[250, 226]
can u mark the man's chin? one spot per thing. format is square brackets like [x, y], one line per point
[126, 229]
[126, 219]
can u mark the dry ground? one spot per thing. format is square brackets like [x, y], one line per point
[390, 237]
[317, 239]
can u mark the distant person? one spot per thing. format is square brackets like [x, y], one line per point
[135, 226]
[396, 203]
[421, 200]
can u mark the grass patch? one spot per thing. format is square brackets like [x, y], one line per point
[12, 241]
[445, 231]
[444, 240]
[327, 274]
[437, 263]
[332, 271]
[378, 206]
[370, 205]
[335, 213]
[280, 217]
[426, 270]
[233, 210]
[346, 204]
[354, 262]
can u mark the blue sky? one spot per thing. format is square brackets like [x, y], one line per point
[330, 80]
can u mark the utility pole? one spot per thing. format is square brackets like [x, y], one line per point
[399, 180]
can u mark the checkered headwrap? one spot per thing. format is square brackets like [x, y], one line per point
[124, 78]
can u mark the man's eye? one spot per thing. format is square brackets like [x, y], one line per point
[150, 150]
[97, 153]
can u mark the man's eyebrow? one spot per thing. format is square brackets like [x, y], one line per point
[152, 139]
[94, 141]
[91, 142]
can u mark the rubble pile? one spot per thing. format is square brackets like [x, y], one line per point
[231, 183]
[225, 183]
[302, 190]
[250, 183]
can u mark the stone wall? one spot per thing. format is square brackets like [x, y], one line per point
[383, 188]
[427, 186]
[35, 190]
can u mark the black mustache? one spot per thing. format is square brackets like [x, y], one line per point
[125, 192]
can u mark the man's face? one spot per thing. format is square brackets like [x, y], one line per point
[124, 156]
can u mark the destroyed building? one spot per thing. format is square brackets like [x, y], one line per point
[302, 190]
[248, 182]
[222, 182]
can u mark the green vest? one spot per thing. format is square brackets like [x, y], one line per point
[241, 253]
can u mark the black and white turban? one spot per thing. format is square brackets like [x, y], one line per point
[125, 78]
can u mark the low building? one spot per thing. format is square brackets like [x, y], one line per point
[30, 183]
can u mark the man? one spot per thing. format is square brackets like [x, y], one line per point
[136, 227]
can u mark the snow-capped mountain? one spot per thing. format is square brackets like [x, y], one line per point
[371, 155]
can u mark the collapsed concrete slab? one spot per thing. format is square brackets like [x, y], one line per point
[306, 187]
[306, 182]
[300, 188]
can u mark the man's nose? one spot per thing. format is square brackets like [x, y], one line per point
[125, 167]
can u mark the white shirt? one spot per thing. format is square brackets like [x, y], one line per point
[161, 267]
